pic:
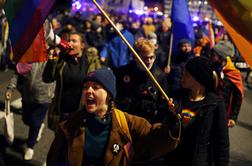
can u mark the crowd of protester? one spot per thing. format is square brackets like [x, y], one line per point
[92, 74]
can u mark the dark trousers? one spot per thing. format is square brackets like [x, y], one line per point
[2, 161]
[33, 116]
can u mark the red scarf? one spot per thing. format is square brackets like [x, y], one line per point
[234, 76]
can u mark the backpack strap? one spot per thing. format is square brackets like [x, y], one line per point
[124, 126]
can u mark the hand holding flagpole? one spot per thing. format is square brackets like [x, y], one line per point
[135, 54]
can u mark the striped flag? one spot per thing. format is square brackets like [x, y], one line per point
[236, 18]
[25, 18]
[37, 51]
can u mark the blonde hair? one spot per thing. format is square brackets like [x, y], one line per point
[144, 46]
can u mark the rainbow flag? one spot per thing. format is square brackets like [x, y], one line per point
[236, 18]
[37, 51]
[25, 18]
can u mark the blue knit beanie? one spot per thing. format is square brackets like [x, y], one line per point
[105, 77]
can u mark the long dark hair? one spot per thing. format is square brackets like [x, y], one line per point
[111, 104]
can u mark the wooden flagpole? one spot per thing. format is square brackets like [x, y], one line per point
[170, 50]
[133, 51]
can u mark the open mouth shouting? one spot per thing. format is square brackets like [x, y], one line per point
[90, 103]
[94, 97]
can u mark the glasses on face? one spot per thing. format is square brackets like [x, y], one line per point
[148, 57]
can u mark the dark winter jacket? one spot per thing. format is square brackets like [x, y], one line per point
[137, 95]
[232, 97]
[204, 140]
[177, 68]
[69, 75]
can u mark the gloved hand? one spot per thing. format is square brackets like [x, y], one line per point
[64, 46]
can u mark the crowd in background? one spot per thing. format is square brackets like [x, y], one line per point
[93, 44]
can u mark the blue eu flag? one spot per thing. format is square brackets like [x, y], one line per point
[182, 23]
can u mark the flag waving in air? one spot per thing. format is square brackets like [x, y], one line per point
[237, 20]
[182, 26]
[25, 18]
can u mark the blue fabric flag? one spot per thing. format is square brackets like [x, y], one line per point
[181, 23]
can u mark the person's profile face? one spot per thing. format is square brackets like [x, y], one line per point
[215, 58]
[76, 44]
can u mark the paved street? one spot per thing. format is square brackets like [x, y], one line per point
[240, 136]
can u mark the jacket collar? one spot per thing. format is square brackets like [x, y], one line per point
[211, 99]
[74, 130]
[116, 137]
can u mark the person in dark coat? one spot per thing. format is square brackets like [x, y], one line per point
[230, 81]
[136, 93]
[204, 138]
[164, 35]
[178, 62]
[136, 29]
[68, 70]
[95, 38]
